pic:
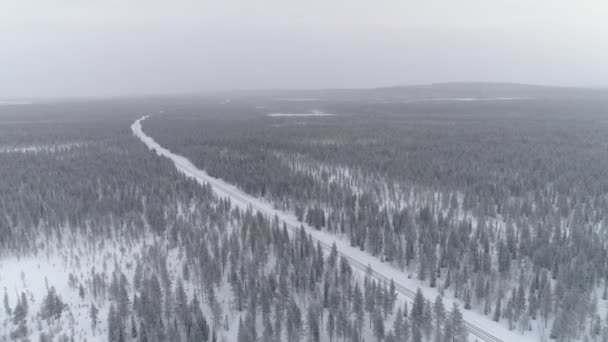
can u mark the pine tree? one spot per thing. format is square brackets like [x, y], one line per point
[605, 330]
[81, 291]
[497, 310]
[314, 331]
[546, 302]
[133, 328]
[242, 333]
[457, 323]
[52, 306]
[268, 332]
[181, 303]
[121, 333]
[21, 309]
[112, 325]
[123, 299]
[7, 307]
[558, 329]
[416, 333]
[278, 323]
[358, 305]
[294, 322]
[427, 320]
[439, 310]
[467, 299]
[433, 276]
[391, 297]
[418, 308]
[487, 307]
[143, 335]
[378, 325]
[520, 302]
[93, 315]
[509, 314]
[331, 326]
[448, 330]
[406, 330]
[398, 325]
[200, 326]
[370, 297]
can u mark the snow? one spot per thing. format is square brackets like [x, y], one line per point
[381, 269]
[478, 98]
[80, 257]
[311, 99]
[313, 113]
[32, 275]
[41, 148]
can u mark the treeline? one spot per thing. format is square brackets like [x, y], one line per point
[96, 189]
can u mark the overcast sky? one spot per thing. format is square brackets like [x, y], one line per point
[111, 47]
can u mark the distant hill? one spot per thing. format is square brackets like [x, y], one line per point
[456, 91]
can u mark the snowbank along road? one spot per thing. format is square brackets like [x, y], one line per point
[480, 327]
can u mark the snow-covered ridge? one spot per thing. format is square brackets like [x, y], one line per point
[487, 329]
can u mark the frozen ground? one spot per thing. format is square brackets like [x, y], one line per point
[491, 330]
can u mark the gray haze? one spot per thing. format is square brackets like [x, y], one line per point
[88, 47]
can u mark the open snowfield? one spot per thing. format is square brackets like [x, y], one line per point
[314, 113]
[304, 99]
[34, 275]
[478, 98]
[41, 148]
[478, 323]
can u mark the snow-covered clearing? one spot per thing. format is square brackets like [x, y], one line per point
[478, 98]
[41, 148]
[34, 275]
[313, 113]
[480, 327]
[67, 265]
[297, 99]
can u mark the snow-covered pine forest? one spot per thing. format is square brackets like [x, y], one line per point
[107, 241]
[497, 206]
[500, 204]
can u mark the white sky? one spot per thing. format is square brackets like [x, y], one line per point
[110, 47]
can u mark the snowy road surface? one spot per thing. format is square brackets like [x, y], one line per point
[479, 326]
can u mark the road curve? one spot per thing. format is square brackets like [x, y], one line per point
[359, 260]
